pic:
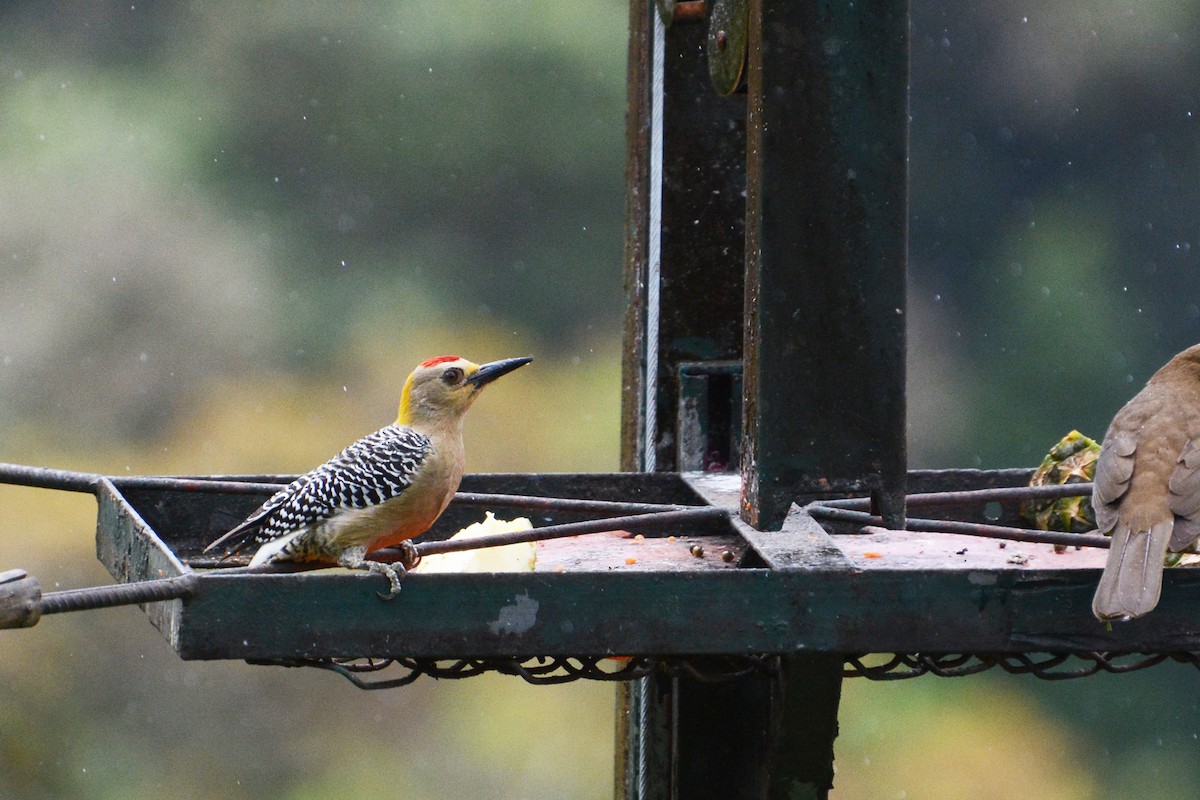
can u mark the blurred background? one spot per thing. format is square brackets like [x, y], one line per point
[228, 231]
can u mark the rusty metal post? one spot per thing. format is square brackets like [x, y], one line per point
[826, 241]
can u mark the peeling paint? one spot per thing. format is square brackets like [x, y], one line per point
[516, 618]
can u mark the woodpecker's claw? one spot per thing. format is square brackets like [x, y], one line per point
[409, 556]
[354, 558]
[394, 573]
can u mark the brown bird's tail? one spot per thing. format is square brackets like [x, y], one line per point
[1132, 579]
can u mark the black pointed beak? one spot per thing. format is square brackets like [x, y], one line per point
[494, 369]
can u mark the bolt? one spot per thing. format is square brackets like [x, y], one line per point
[722, 41]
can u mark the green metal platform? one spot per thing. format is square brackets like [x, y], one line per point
[799, 590]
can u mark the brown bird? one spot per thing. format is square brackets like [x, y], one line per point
[1147, 487]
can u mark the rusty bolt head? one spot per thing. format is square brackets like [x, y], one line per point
[722, 40]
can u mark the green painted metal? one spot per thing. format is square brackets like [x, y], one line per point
[722, 734]
[807, 695]
[726, 44]
[703, 205]
[798, 594]
[826, 237]
[709, 423]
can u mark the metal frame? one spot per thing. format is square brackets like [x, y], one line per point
[792, 293]
[798, 590]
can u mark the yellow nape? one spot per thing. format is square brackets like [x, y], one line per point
[404, 416]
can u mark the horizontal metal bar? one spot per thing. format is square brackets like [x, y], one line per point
[75, 481]
[199, 485]
[226, 486]
[46, 478]
[999, 532]
[965, 528]
[641, 521]
[563, 503]
[629, 612]
[121, 594]
[931, 499]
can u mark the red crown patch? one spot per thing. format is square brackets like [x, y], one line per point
[433, 362]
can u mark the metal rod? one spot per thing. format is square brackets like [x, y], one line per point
[690, 10]
[199, 485]
[930, 499]
[655, 520]
[121, 594]
[563, 503]
[75, 481]
[966, 528]
[45, 478]
[69, 480]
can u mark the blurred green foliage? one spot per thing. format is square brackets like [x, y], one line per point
[227, 232]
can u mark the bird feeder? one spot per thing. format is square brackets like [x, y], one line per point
[763, 407]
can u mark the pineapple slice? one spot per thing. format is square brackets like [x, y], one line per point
[1072, 460]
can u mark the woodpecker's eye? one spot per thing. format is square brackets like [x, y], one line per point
[453, 376]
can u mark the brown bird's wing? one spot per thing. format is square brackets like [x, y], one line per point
[1114, 468]
[1184, 498]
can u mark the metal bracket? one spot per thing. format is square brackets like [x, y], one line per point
[20, 600]
[681, 10]
[726, 46]
[710, 416]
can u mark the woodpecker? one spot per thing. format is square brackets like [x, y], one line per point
[1146, 492]
[384, 489]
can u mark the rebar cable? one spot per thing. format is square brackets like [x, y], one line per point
[967, 496]
[874, 524]
[121, 594]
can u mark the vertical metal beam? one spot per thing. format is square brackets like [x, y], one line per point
[826, 242]
[804, 714]
[634, 725]
[637, 189]
[819, 317]
[701, 242]
[723, 736]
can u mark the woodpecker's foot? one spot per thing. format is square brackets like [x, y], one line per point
[409, 556]
[355, 558]
[394, 573]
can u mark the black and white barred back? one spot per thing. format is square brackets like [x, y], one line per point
[373, 470]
